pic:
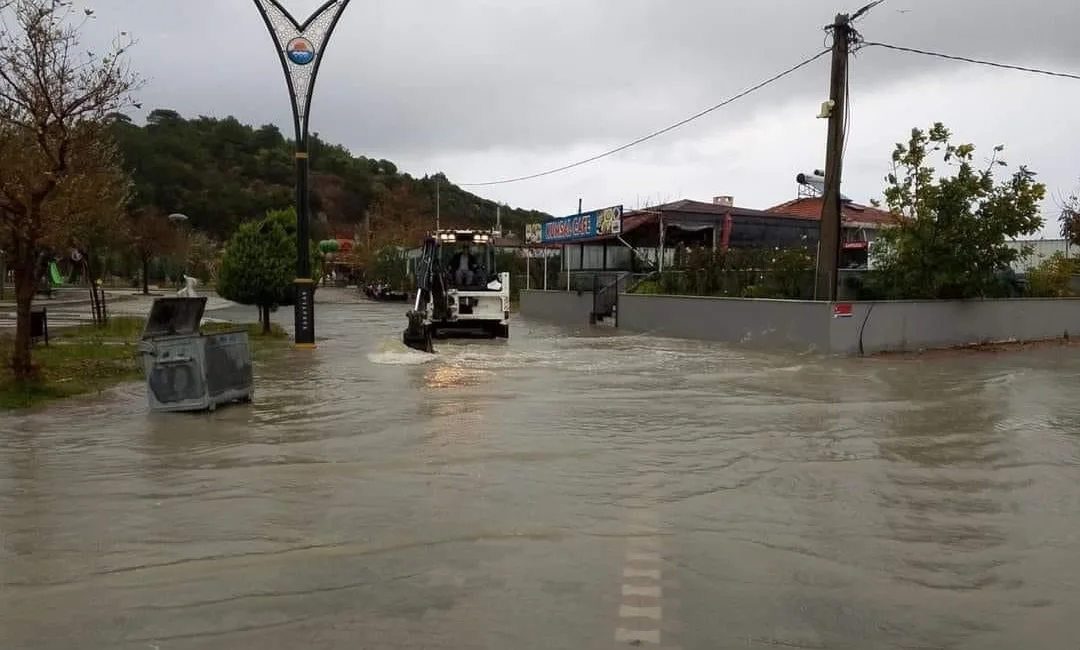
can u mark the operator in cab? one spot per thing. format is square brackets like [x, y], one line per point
[464, 266]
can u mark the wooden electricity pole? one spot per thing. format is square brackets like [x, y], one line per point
[828, 266]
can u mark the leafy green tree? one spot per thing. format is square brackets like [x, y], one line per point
[390, 267]
[259, 264]
[950, 241]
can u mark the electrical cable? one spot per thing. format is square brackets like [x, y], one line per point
[662, 131]
[862, 328]
[965, 59]
[847, 106]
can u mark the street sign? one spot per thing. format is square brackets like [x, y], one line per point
[587, 225]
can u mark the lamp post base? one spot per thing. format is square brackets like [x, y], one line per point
[304, 322]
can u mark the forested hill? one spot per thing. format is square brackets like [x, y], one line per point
[220, 173]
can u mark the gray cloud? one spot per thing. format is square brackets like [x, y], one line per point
[418, 77]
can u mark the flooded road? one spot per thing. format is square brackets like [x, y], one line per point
[562, 490]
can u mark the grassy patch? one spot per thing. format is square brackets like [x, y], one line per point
[69, 367]
[88, 359]
[119, 328]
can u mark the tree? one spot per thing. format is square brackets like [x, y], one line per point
[220, 172]
[1052, 277]
[54, 145]
[951, 237]
[203, 256]
[152, 234]
[259, 264]
[90, 213]
[1069, 220]
[390, 267]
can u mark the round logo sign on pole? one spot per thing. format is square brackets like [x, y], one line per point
[300, 51]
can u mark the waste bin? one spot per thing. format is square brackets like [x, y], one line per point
[39, 325]
[190, 371]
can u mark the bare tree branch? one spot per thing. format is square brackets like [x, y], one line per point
[60, 174]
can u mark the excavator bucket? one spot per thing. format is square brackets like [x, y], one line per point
[418, 333]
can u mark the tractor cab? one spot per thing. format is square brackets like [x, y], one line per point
[460, 293]
[466, 259]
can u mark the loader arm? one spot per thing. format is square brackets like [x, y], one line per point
[430, 298]
[430, 283]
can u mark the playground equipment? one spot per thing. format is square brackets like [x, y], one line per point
[55, 277]
[55, 280]
[459, 293]
[187, 370]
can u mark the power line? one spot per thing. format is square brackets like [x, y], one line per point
[662, 131]
[965, 59]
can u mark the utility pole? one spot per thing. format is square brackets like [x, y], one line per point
[438, 204]
[828, 265]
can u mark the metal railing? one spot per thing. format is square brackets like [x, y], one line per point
[605, 299]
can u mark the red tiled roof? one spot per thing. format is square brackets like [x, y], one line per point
[807, 208]
[710, 212]
[810, 208]
[689, 206]
[637, 220]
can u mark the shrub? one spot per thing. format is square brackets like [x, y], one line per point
[1052, 278]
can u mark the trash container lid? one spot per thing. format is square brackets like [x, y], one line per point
[174, 315]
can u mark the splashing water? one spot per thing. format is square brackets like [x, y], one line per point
[396, 353]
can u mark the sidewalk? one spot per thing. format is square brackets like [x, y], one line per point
[69, 312]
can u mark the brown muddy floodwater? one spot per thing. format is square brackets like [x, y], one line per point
[561, 491]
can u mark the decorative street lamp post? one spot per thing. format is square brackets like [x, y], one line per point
[300, 47]
[178, 219]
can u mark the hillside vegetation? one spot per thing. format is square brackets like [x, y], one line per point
[221, 173]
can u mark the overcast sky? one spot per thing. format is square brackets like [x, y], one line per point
[489, 89]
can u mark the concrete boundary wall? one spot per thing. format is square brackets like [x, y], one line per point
[785, 324]
[900, 326]
[906, 326]
[559, 307]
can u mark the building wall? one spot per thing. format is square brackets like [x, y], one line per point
[1041, 249]
[811, 326]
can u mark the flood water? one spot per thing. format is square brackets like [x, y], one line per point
[564, 490]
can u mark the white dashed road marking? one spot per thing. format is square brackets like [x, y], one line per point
[637, 636]
[627, 611]
[631, 572]
[641, 608]
[648, 592]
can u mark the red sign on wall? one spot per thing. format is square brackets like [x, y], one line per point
[842, 310]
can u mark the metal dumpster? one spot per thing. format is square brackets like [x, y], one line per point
[190, 371]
